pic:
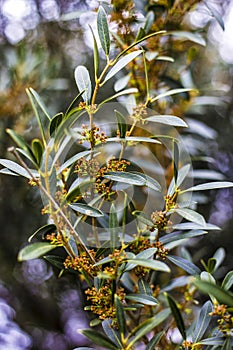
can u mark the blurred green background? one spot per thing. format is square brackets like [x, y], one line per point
[41, 42]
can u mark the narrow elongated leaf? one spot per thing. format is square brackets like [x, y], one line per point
[86, 209]
[55, 122]
[170, 93]
[176, 236]
[219, 256]
[154, 341]
[227, 344]
[190, 215]
[177, 315]
[216, 341]
[150, 181]
[146, 326]
[150, 17]
[83, 82]
[143, 299]
[209, 186]
[121, 64]
[113, 226]
[19, 140]
[184, 264]
[215, 14]
[167, 119]
[141, 216]
[121, 122]
[73, 104]
[223, 296]
[195, 226]
[15, 167]
[146, 254]
[37, 149]
[121, 93]
[194, 37]
[121, 321]
[99, 339]
[121, 83]
[39, 102]
[125, 177]
[144, 287]
[111, 333]
[78, 191]
[73, 159]
[202, 322]
[228, 281]
[42, 231]
[150, 264]
[34, 251]
[103, 31]
[8, 172]
[96, 54]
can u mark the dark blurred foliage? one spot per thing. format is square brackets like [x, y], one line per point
[40, 50]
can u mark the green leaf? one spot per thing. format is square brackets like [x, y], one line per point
[121, 93]
[99, 339]
[177, 315]
[219, 256]
[154, 341]
[176, 236]
[176, 155]
[121, 64]
[86, 209]
[150, 264]
[55, 122]
[195, 226]
[149, 181]
[139, 41]
[202, 321]
[150, 17]
[42, 231]
[228, 281]
[215, 14]
[125, 177]
[223, 296]
[121, 83]
[170, 93]
[120, 314]
[39, 102]
[190, 215]
[167, 119]
[209, 186]
[111, 332]
[216, 341]
[73, 159]
[73, 103]
[140, 34]
[58, 262]
[83, 82]
[113, 226]
[146, 326]
[144, 287]
[141, 216]
[183, 35]
[184, 264]
[78, 191]
[7, 172]
[20, 142]
[121, 122]
[103, 31]
[211, 265]
[15, 167]
[34, 251]
[37, 149]
[227, 344]
[96, 55]
[143, 299]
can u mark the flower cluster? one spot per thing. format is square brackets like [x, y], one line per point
[93, 135]
[225, 319]
[139, 112]
[160, 220]
[81, 263]
[102, 301]
[162, 252]
[86, 167]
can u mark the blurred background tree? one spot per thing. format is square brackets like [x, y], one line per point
[41, 42]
